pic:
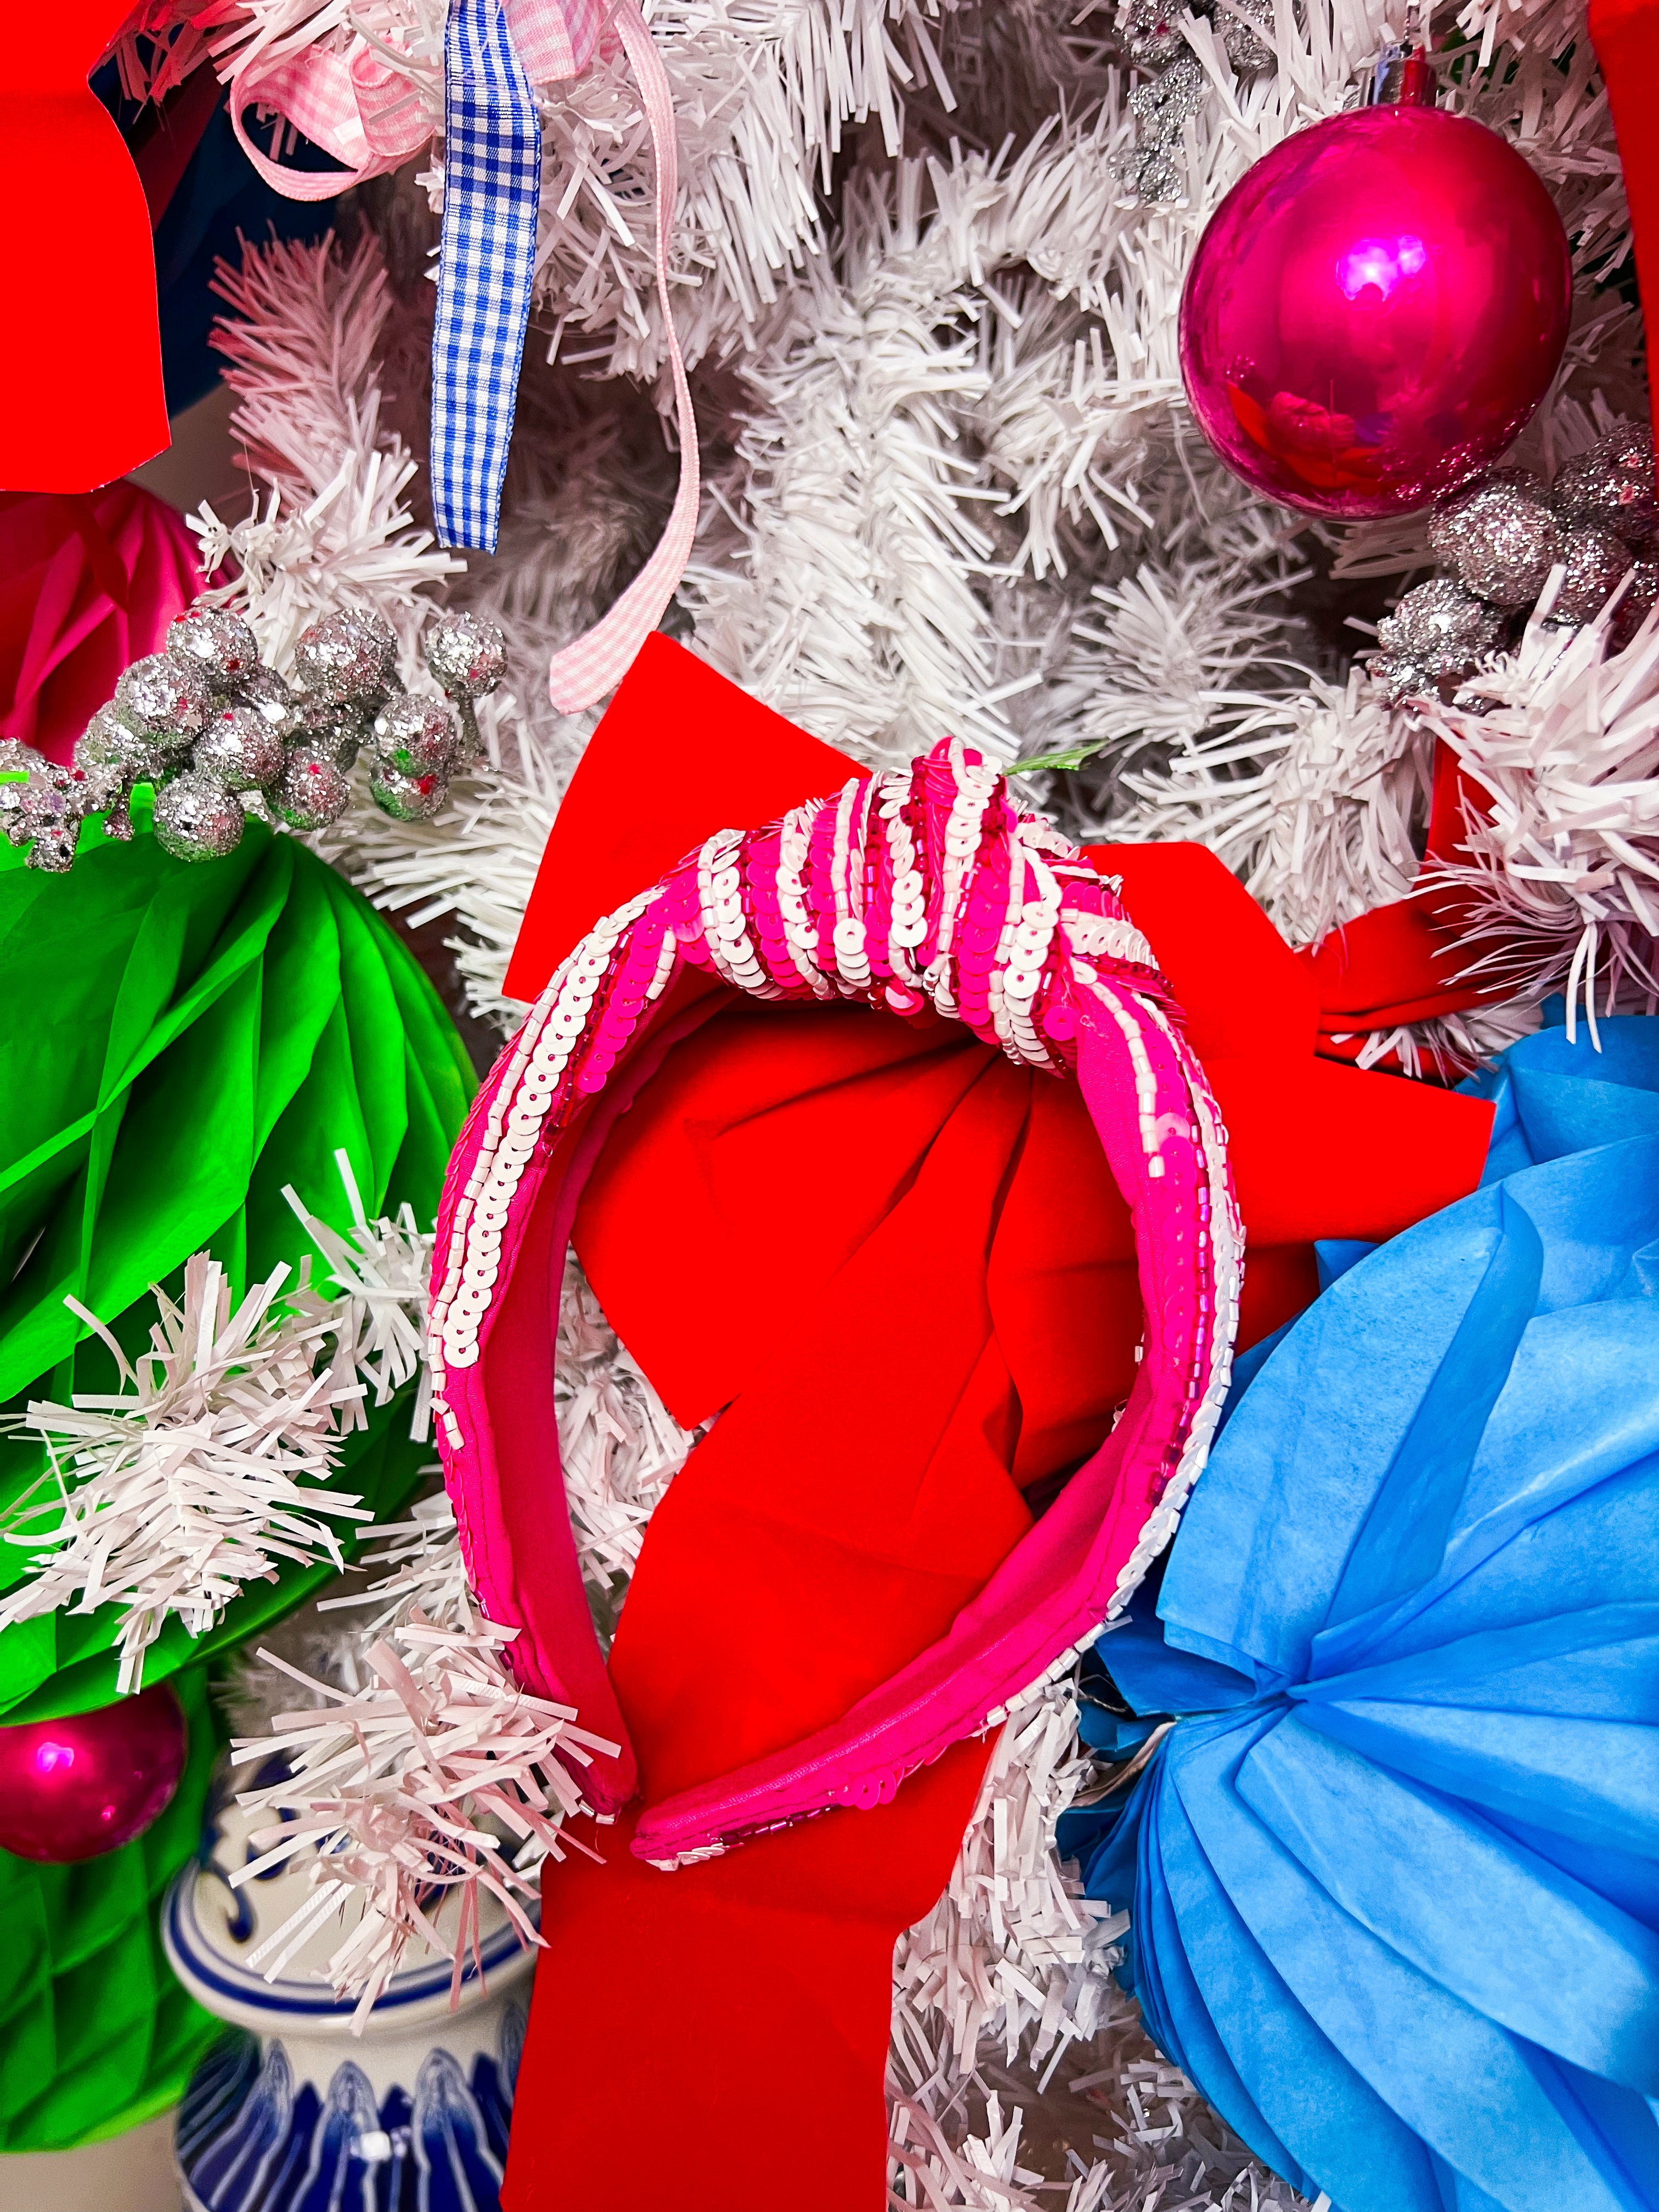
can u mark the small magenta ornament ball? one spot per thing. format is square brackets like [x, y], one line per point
[74, 1789]
[1375, 311]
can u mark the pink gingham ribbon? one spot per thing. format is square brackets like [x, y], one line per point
[362, 107]
[598, 661]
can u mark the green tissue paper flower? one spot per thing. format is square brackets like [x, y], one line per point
[178, 1041]
[95, 2035]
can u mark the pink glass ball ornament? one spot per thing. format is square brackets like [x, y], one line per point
[1375, 311]
[76, 1788]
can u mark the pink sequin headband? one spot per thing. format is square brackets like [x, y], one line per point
[920, 888]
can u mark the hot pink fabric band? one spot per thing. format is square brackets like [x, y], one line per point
[924, 888]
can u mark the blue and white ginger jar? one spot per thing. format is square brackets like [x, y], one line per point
[291, 2112]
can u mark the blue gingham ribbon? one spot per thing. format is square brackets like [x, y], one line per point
[492, 185]
[492, 181]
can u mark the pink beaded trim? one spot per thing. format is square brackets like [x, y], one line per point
[913, 888]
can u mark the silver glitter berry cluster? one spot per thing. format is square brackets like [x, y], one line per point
[1500, 542]
[1151, 36]
[220, 735]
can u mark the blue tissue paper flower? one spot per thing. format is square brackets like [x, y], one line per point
[1393, 1873]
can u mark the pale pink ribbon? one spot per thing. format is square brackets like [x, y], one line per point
[364, 112]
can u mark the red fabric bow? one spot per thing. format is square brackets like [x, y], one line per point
[897, 1268]
[1414, 959]
[1625, 36]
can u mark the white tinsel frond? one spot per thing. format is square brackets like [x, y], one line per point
[1312, 801]
[268, 30]
[172, 1494]
[1556, 114]
[746, 218]
[1565, 867]
[425, 1571]
[402, 1778]
[1013, 1952]
[1076, 411]
[335, 522]
[154, 50]
[848, 599]
[478, 861]
[1548, 27]
[381, 1273]
[402, 1791]
[1447, 1046]
[980, 2173]
[1173, 657]
[983, 2144]
[199, 1474]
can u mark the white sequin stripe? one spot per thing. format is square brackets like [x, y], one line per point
[470, 1298]
[527, 1102]
[1140, 1064]
[1226, 1278]
[666, 952]
[1013, 907]
[1039, 833]
[518, 1112]
[794, 846]
[523, 1045]
[694, 1857]
[725, 925]
[1051, 1673]
[1034, 940]
[964, 827]
[907, 925]
[1107, 936]
[852, 952]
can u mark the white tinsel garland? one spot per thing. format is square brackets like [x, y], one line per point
[302, 345]
[381, 1270]
[961, 493]
[209, 1464]
[206, 1468]
[1564, 871]
[1013, 1953]
[400, 1792]
[429, 1748]
[876, 614]
[984, 2143]
[1312, 801]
